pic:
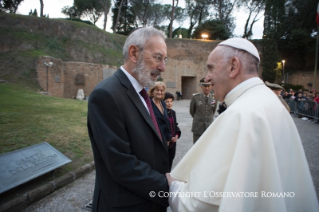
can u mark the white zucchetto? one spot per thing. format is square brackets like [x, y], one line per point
[243, 44]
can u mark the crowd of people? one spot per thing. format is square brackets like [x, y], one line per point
[301, 95]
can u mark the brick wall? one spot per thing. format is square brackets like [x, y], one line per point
[65, 78]
[303, 78]
[187, 60]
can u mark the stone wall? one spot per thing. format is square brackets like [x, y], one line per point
[186, 66]
[64, 79]
[303, 78]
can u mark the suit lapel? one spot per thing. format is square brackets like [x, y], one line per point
[131, 93]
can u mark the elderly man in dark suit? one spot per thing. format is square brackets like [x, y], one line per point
[130, 156]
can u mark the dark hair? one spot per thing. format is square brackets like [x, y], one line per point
[168, 96]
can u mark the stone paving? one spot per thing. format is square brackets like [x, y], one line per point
[75, 195]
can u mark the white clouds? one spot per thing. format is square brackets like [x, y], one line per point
[53, 8]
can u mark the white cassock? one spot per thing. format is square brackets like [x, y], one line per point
[252, 150]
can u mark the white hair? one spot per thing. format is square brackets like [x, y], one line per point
[250, 62]
[139, 38]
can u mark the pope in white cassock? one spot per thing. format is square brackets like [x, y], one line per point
[251, 158]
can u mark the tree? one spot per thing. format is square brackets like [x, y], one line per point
[223, 10]
[35, 13]
[215, 30]
[106, 5]
[180, 31]
[127, 19]
[10, 6]
[179, 16]
[172, 17]
[89, 8]
[41, 8]
[156, 15]
[142, 10]
[72, 12]
[148, 12]
[118, 5]
[274, 22]
[254, 8]
[300, 26]
[197, 11]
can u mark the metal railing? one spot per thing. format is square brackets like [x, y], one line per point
[307, 109]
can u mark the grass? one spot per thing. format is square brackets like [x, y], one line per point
[28, 118]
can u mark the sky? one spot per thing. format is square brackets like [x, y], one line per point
[53, 8]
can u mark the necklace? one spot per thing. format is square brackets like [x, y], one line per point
[159, 106]
[248, 89]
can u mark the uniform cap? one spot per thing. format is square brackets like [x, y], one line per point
[242, 44]
[273, 86]
[202, 82]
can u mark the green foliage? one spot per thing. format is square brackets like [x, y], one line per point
[223, 13]
[72, 12]
[293, 87]
[80, 20]
[33, 13]
[301, 15]
[273, 31]
[147, 12]
[127, 18]
[214, 28]
[28, 44]
[159, 79]
[89, 8]
[182, 31]
[179, 13]
[278, 70]
[197, 11]
[270, 58]
[10, 6]
[253, 7]
[54, 45]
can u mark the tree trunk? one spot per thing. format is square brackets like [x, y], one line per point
[246, 26]
[144, 16]
[41, 8]
[105, 18]
[118, 16]
[172, 19]
[106, 11]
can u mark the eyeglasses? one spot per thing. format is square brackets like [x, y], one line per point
[159, 58]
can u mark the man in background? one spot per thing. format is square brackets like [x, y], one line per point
[202, 109]
[277, 90]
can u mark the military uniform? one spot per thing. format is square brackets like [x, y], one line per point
[284, 103]
[276, 87]
[202, 113]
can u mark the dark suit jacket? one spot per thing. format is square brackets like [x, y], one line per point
[130, 159]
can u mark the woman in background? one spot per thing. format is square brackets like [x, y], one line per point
[175, 131]
[156, 95]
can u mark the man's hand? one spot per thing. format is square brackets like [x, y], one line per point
[170, 179]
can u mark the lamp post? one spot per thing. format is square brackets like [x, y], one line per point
[50, 64]
[283, 71]
[204, 36]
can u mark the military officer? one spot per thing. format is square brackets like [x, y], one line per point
[277, 90]
[202, 109]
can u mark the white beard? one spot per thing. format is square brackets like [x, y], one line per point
[144, 75]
